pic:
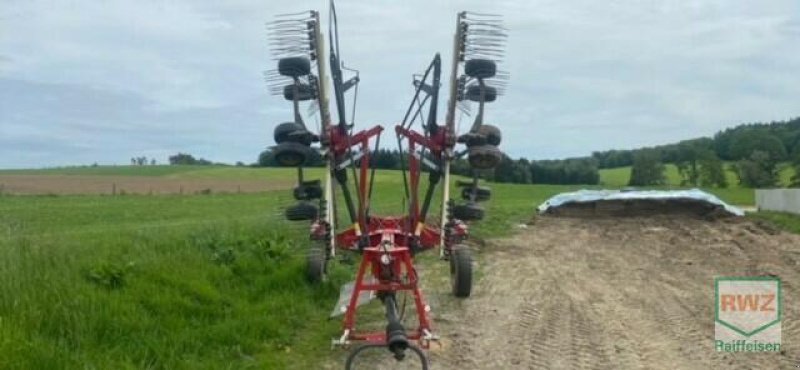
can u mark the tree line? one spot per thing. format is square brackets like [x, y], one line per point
[755, 152]
[520, 171]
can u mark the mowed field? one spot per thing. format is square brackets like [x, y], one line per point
[197, 281]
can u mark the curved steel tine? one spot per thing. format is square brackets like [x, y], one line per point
[485, 46]
[288, 40]
[479, 47]
[487, 38]
[288, 28]
[279, 22]
[487, 25]
[484, 51]
[309, 12]
[296, 32]
[484, 14]
[494, 56]
[486, 33]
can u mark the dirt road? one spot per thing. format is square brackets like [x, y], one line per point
[614, 293]
[607, 293]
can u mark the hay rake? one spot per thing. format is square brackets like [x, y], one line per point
[387, 244]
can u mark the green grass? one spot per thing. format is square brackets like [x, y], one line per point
[187, 282]
[179, 282]
[734, 194]
[786, 221]
[166, 282]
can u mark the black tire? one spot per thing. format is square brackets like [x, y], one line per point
[491, 133]
[308, 190]
[471, 139]
[304, 92]
[292, 154]
[317, 264]
[301, 211]
[482, 194]
[294, 66]
[480, 68]
[461, 271]
[484, 157]
[470, 211]
[282, 132]
[474, 93]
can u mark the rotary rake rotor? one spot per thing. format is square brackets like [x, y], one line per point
[386, 245]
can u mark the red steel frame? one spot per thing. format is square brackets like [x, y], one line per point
[388, 256]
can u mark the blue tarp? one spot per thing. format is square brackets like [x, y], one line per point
[588, 196]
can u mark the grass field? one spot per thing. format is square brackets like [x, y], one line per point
[177, 282]
[735, 194]
[187, 282]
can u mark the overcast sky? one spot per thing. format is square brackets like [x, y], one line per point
[84, 81]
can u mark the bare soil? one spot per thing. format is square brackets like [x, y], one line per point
[610, 293]
[79, 184]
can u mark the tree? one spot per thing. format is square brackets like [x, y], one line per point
[795, 180]
[182, 159]
[758, 171]
[265, 159]
[748, 141]
[647, 169]
[712, 172]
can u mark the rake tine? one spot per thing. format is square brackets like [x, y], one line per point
[482, 25]
[309, 12]
[483, 14]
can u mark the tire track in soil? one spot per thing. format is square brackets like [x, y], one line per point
[613, 294]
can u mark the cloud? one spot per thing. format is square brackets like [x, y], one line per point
[110, 80]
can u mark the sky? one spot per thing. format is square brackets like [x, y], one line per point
[101, 81]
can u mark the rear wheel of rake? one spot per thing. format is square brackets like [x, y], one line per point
[489, 93]
[461, 271]
[482, 194]
[294, 66]
[308, 190]
[282, 131]
[301, 211]
[470, 211]
[290, 154]
[480, 68]
[484, 157]
[317, 264]
[304, 92]
[363, 358]
[491, 133]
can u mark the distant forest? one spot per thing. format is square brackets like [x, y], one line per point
[755, 149]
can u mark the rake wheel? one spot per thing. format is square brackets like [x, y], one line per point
[474, 93]
[294, 66]
[290, 154]
[484, 157]
[481, 193]
[492, 134]
[461, 271]
[304, 92]
[480, 68]
[316, 264]
[468, 212]
[301, 211]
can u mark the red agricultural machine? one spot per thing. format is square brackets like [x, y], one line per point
[387, 245]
